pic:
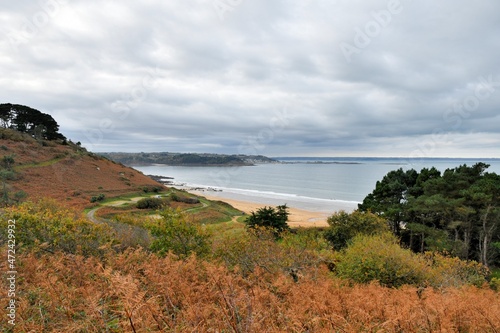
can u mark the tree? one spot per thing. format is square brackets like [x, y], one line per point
[457, 212]
[6, 115]
[390, 197]
[28, 120]
[430, 220]
[269, 217]
[345, 226]
[464, 203]
[485, 195]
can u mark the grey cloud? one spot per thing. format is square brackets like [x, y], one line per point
[173, 76]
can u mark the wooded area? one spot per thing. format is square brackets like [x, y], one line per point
[457, 211]
[28, 120]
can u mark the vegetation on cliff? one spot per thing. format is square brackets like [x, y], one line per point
[186, 159]
[31, 121]
[34, 168]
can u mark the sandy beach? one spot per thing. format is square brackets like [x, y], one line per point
[297, 218]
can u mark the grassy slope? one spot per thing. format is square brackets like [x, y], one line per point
[67, 173]
[205, 212]
[71, 175]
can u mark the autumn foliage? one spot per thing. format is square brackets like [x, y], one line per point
[80, 280]
[45, 225]
[137, 291]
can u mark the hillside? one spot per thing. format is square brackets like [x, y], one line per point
[187, 159]
[192, 265]
[66, 172]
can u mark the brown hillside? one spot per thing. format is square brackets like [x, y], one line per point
[67, 173]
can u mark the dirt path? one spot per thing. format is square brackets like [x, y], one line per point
[91, 216]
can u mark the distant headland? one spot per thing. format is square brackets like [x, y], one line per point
[187, 159]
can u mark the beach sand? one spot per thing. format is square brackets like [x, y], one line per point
[297, 217]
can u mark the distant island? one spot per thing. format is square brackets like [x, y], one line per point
[187, 159]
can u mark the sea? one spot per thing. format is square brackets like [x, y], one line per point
[320, 184]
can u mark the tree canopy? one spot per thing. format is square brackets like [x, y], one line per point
[28, 120]
[269, 217]
[457, 211]
[344, 227]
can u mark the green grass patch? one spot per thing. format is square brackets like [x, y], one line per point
[242, 219]
[212, 212]
[205, 212]
[226, 229]
[38, 164]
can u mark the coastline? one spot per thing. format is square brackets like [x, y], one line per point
[298, 217]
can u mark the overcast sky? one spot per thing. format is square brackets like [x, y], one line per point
[278, 78]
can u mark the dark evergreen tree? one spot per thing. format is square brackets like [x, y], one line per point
[269, 217]
[28, 120]
[457, 212]
[390, 197]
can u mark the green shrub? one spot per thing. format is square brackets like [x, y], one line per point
[495, 284]
[344, 226]
[153, 189]
[98, 198]
[295, 254]
[151, 203]
[47, 226]
[7, 175]
[184, 198]
[445, 271]
[380, 258]
[174, 233]
[20, 196]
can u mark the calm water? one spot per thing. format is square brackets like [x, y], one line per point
[336, 183]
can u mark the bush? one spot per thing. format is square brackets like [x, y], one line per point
[20, 196]
[495, 284]
[7, 175]
[98, 198]
[185, 199]
[151, 203]
[46, 225]
[447, 271]
[295, 254]
[380, 258]
[8, 161]
[344, 226]
[153, 189]
[174, 233]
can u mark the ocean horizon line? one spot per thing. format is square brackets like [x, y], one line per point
[385, 157]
